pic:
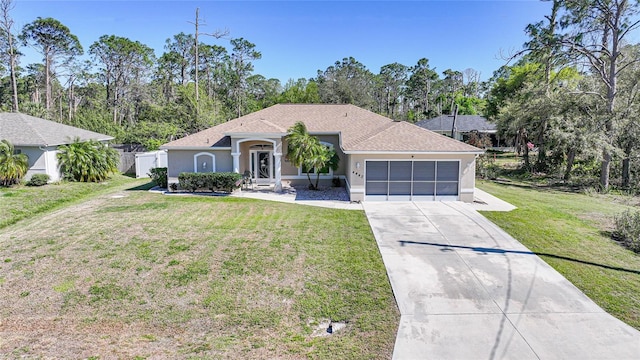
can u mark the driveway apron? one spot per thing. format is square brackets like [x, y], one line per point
[468, 290]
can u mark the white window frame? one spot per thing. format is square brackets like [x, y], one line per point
[195, 161]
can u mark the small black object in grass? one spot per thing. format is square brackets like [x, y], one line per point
[330, 328]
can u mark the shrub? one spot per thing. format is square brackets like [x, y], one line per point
[628, 229]
[13, 167]
[219, 181]
[486, 167]
[87, 161]
[159, 176]
[39, 180]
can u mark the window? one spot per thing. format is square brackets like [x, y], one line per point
[324, 171]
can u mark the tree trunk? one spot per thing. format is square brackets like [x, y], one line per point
[196, 60]
[70, 103]
[35, 96]
[47, 80]
[604, 169]
[523, 143]
[570, 159]
[115, 107]
[14, 83]
[611, 98]
[626, 166]
[310, 182]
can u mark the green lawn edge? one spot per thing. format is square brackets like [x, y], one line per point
[571, 232]
[22, 202]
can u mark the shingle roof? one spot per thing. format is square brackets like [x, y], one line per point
[26, 130]
[464, 123]
[360, 129]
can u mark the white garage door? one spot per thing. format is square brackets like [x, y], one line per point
[417, 180]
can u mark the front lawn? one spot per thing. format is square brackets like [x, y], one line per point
[20, 201]
[133, 274]
[571, 232]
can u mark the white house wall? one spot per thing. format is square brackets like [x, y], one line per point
[41, 161]
[51, 159]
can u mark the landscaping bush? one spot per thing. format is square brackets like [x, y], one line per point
[486, 167]
[87, 161]
[13, 166]
[628, 229]
[39, 180]
[159, 176]
[219, 181]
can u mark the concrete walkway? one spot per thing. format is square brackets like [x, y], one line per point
[468, 290]
[292, 199]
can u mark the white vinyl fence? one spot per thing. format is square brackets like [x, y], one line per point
[149, 160]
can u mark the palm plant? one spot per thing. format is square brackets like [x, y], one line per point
[13, 167]
[307, 151]
[87, 161]
[323, 158]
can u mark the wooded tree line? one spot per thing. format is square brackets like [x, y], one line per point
[572, 92]
[126, 91]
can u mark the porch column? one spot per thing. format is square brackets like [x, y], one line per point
[236, 162]
[278, 169]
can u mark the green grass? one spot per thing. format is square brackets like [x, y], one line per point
[195, 277]
[571, 232]
[21, 202]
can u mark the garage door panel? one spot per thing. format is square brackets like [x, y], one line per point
[412, 180]
[424, 188]
[400, 171]
[377, 170]
[447, 171]
[424, 170]
[446, 188]
[377, 188]
[400, 188]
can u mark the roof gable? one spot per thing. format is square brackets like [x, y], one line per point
[25, 130]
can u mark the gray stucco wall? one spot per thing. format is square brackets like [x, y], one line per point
[182, 161]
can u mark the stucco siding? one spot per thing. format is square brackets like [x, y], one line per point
[41, 161]
[180, 161]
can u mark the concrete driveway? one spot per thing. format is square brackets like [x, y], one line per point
[468, 290]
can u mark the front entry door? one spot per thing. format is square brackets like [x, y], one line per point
[262, 166]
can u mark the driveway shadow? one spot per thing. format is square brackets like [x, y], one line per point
[484, 250]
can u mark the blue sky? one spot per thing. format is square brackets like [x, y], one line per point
[297, 38]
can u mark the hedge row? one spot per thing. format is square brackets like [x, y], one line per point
[218, 181]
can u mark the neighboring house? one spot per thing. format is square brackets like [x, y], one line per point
[465, 124]
[380, 159]
[39, 140]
